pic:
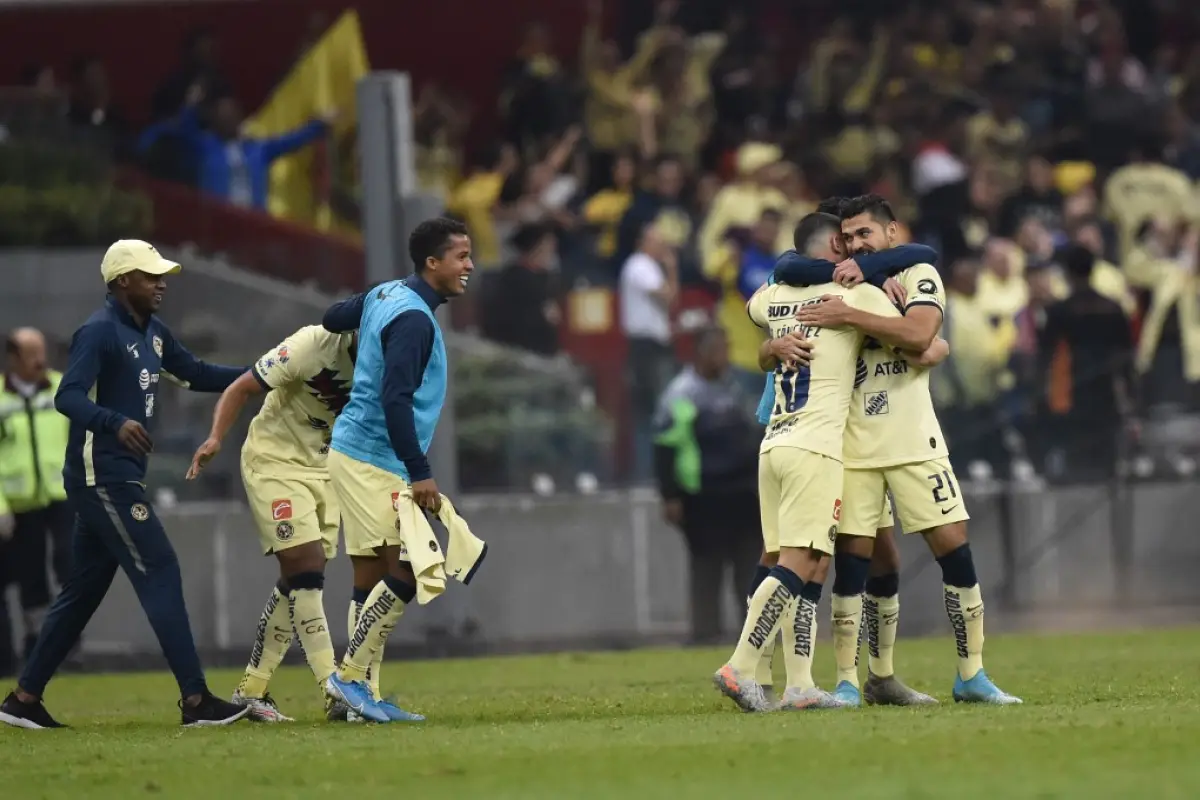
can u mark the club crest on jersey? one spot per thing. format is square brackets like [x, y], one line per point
[140, 512]
[926, 286]
[281, 509]
[284, 531]
[837, 510]
[875, 403]
[395, 501]
[157, 344]
[282, 354]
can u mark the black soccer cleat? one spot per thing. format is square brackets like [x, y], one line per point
[211, 710]
[26, 715]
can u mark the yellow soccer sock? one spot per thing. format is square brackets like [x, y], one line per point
[311, 626]
[965, 609]
[271, 643]
[881, 615]
[800, 642]
[356, 605]
[380, 612]
[847, 625]
[768, 606]
[764, 673]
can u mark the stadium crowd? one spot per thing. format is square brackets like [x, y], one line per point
[1046, 149]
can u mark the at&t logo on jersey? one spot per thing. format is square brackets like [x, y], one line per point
[875, 403]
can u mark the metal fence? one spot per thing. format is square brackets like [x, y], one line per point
[606, 571]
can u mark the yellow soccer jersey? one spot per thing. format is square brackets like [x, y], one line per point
[811, 404]
[308, 377]
[892, 420]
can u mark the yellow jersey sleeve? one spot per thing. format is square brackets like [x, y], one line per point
[757, 307]
[922, 287]
[297, 358]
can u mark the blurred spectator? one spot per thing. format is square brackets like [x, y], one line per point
[92, 108]
[1183, 143]
[40, 77]
[439, 126]
[1107, 278]
[520, 305]
[649, 286]
[477, 199]
[998, 135]
[231, 165]
[1037, 197]
[535, 100]
[605, 209]
[706, 451]
[1117, 105]
[968, 385]
[199, 70]
[748, 260]
[609, 118]
[1169, 348]
[662, 206]
[740, 203]
[1146, 189]
[1087, 354]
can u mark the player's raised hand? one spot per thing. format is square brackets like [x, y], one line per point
[848, 273]
[792, 350]
[426, 495]
[895, 292]
[831, 312]
[134, 437]
[204, 454]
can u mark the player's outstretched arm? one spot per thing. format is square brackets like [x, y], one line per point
[877, 267]
[183, 368]
[344, 316]
[913, 331]
[794, 269]
[407, 345]
[229, 408]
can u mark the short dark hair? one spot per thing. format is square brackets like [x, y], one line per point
[813, 226]
[832, 205]
[528, 237]
[1077, 261]
[431, 239]
[879, 208]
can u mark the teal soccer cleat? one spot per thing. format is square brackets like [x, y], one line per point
[397, 714]
[848, 694]
[357, 697]
[980, 689]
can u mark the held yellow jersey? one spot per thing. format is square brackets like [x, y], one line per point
[309, 377]
[892, 420]
[811, 403]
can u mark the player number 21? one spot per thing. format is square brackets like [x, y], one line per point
[793, 385]
[942, 482]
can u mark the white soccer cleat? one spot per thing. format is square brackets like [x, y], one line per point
[746, 692]
[262, 709]
[795, 699]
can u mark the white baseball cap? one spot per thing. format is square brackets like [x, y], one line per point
[134, 255]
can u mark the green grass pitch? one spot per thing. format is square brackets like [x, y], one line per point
[1114, 715]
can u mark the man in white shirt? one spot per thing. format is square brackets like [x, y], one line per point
[649, 285]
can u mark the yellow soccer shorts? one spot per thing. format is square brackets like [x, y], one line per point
[290, 512]
[800, 499]
[926, 493]
[373, 502]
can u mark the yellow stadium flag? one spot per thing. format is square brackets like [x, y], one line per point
[324, 79]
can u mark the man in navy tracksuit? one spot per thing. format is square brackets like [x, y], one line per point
[109, 394]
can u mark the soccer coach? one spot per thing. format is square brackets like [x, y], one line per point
[109, 394]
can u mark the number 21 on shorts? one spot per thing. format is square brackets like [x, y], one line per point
[942, 483]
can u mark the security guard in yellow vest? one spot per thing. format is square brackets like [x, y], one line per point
[33, 443]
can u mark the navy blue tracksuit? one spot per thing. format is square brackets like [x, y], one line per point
[113, 377]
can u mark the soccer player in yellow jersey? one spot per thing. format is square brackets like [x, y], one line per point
[307, 380]
[894, 441]
[800, 479]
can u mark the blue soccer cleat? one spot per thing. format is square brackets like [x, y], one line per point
[397, 714]
[848, 694]
[980, 689]
[357, 697]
